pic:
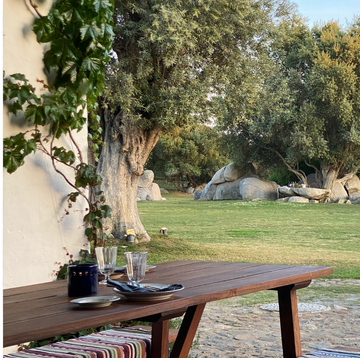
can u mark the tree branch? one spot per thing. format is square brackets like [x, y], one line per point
[34, 6]
[61, 173]
[296, 172]
[345, 178]
[318, 175]
[76, 145]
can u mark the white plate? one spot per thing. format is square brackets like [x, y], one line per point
[123, 268]
[96, 301]
[149, 296]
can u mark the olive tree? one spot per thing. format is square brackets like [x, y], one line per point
[175, 63]
[309, 108]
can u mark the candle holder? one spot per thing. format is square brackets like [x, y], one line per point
[82, 280]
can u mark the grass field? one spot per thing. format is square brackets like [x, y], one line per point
[267, 232]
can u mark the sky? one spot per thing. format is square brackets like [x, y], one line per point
[325, 10]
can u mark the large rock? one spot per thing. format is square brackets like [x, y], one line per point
[228, 191]
[311, 180]
[232, 173]
[286, 191]
[312, 193]
[197, 194]
[298, 199]
[254, 188]
[353, 185]
[219, 176]
[150, 193]
[146, 179]
[354, 196]
[339, 192]
[209, 191]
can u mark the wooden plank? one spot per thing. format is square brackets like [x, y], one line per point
[198, 270]
[31, 288]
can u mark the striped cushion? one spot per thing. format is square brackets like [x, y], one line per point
[113, 343]
[333, 353]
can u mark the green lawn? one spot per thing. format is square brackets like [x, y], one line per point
[268, 232]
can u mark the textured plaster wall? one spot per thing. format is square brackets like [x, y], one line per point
[34, 196]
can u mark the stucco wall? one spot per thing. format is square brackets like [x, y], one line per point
[34, 196]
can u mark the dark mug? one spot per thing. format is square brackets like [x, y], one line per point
[82, 280]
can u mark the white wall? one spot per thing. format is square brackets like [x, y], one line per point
[33, 196]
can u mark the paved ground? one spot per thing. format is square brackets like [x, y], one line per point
[230, 330]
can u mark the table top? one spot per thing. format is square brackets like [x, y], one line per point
[44, 310]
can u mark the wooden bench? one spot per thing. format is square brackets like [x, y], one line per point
[135, 342]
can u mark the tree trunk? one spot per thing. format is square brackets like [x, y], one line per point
[330, 175]
[121, 164]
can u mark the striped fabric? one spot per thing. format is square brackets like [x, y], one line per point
[113, 343]
[333, 353]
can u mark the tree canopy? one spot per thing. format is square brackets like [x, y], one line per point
[309, 108]
[188, 155]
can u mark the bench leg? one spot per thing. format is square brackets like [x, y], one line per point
[187, 331]
[289, 321]
[160, 339]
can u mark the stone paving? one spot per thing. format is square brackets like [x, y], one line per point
[230, 330]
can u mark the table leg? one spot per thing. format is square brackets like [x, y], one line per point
[289, 321]
[187, 331]
[160, 339]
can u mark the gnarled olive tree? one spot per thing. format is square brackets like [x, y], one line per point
[176, 62]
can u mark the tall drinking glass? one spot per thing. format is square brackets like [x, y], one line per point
[136, 265]
[106, 259]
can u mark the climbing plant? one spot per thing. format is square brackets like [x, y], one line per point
[80, 34]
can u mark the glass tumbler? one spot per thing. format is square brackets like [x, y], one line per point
[135, 265]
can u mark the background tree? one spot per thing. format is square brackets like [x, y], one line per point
[177, 62]
[309, 110]
[189, 156]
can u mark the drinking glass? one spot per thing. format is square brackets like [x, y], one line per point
[135, 265]
[106, 258]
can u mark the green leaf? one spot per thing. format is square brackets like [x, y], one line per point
[90, 64]
[102, 4]
[19, 77]
[69, 97]
[70, 66]
[90, 31]
[106, 211]
[107, 30]
[36, 114]
[14, 107]
[44, 30]
[12, 161]
[64, 155]
[73, 196]
[97, 224]
[88, 231]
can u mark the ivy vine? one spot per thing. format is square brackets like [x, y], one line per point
[80, 33]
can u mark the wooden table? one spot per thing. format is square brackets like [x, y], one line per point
[40, 311]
